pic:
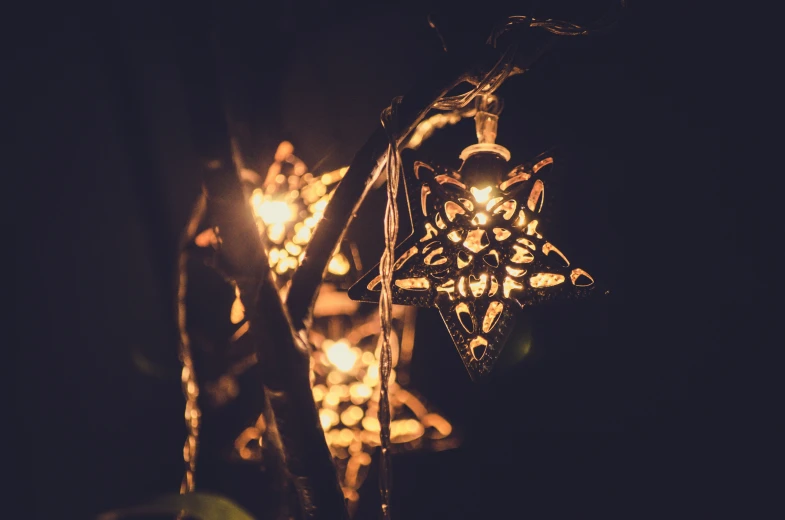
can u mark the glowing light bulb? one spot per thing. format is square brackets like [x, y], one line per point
[328, 418]
[272, 211]
[480, 219]
[320, 205]
[319, 391]
[371, 424]
[339, 265]
[360, 392]
[372, 375]
[257, 199]
[276, 232]
[481, 194]
[351, 416]
[341, 355]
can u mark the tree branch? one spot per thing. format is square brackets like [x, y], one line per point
[283, 356]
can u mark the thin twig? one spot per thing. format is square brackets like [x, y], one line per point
[188, 375]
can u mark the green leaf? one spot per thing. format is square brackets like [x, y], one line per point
[201, 506]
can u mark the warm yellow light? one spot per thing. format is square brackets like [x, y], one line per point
[508, 208]
[352, 416]
[302, 236]
[494, 201]
[372, 375]
[476, 240]
[494, 286]
[435, 256]
[451, 209]
[286, 263]
[368, 358]
[510, 285]
[413, 284]
[328, 418]
[371, 424]
[237, 313]
[492, 316]
[521, 255]
[335, 377]
[546, 280]
[430, 232]
[332, 400]
[515, 271]
[481, 194]
[480, 219]
[272, 211]
[466, 203]
[339, 265]
[437, 422]
[477, 285]
[576, 275]
[257, 199]
[293, 248]
[320, 205]
[318, 392]
[447, 287]
[464, 259]
[362, 459]
[405, 430]
[360, 392]
[462, 286]
[276, 232]
[345, 437]
[311, 222]
[477, 346]
[340, 354]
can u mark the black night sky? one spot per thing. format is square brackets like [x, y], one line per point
[621, 407]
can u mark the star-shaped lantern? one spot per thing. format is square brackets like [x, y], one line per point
[477, 253]
[287, 208]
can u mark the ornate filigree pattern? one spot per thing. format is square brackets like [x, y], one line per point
[345, 372]
[288, 208]
[478, 255]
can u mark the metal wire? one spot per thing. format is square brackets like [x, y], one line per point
[388, 119]
[488, 84]
[559, 27]
[188, 377]
[499, 73]
[428, 127]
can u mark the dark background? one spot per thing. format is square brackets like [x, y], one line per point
[622, 407]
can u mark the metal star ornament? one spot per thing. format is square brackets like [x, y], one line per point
[477, 253]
